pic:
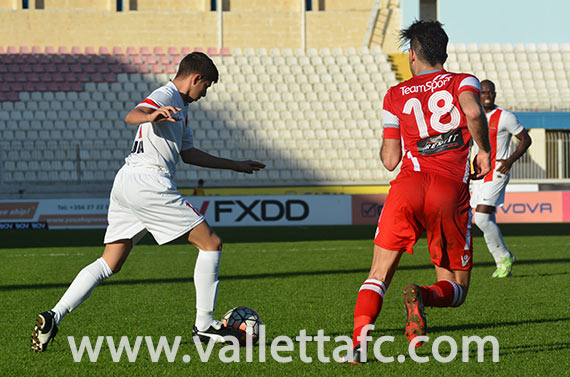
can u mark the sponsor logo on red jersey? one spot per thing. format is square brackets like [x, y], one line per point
[438, 82]
[440, 143]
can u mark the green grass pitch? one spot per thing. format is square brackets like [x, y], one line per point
[296, 278]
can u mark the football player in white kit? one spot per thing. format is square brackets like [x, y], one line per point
[489, 193]
[144, 199]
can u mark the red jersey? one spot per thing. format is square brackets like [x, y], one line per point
[424, 113]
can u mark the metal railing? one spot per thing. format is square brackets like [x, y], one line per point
[548, 161]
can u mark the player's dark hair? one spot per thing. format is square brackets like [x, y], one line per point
[490, 83]
[428, 40]
[198, 62]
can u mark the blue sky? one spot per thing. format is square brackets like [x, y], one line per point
[499, 21]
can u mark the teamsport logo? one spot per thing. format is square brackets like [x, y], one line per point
[430, 86]
[282, 348]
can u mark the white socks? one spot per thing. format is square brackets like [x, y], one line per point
[492, 233]
[81, 287]
[206, 283]
[205, 280]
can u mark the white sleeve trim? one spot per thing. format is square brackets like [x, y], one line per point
[143, 104]
[470, 81]
[390, 120]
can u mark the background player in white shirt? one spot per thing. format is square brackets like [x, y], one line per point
[145, 199]
[489, 193]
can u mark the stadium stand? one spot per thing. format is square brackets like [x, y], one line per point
[528, 77]
[312, 117]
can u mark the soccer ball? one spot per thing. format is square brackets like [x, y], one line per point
[245, 320]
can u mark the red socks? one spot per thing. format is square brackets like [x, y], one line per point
[368, 306]
[444, 293]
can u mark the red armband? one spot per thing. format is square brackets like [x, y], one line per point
[391, 133]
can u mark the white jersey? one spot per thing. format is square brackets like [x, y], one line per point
[502, 125]
[157, 146]
[501, 130]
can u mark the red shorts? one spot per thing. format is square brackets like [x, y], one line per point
[420, 202]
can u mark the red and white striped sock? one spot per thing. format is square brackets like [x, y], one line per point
[444, 293]
[368, 306]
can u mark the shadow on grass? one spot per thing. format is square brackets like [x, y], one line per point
[473, 351]
[275, 275]
[94, 237]
[479, 326]
[539, 274]
[16, 239]
[380, 331]
[533, 348]
[504, 351]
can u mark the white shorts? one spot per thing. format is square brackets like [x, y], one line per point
[490, 193]
[144, 200]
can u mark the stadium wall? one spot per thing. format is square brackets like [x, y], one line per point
[365, 5]
[83, 5]
[537, 150]
[188, 27]
[80, 28]
[336, 29]
[265, 6]
[171, 5]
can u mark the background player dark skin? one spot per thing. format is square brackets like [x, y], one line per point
[488, 96]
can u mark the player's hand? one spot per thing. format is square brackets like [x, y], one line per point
[248, 166]
[481, 165]
[162, 114]
[504, 166]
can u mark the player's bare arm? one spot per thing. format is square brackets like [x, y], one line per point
[479, 130]
[140, 115]
[391, 153]
[525, 142]
[195, 156]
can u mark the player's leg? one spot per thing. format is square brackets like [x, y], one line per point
[123, 231]
[450, 290]
[371, 293]
[167, 215]
[484, 218]
[490, 195]
[204, 238]
[206, 282]
[80, 289]
[370, 298]
[398, 229]
[448, 223]
[90, 276]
